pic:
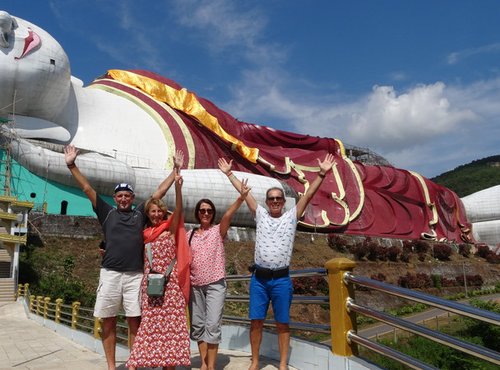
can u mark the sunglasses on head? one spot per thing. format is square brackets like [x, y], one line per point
[274, 199]
[206, 210]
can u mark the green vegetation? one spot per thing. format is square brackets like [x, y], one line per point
[443, 357]
[53, 273]
[472, 177]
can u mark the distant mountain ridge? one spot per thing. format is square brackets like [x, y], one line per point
[474, 176]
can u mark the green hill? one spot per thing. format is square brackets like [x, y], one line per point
[469, 178]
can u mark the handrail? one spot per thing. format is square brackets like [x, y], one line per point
[319, 328]
[436, 336]
[455, 307]
[296, 299]
[71, 315]
[389, 352]
[344, 308]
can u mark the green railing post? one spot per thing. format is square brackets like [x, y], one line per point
[39, 304]
[340, 320]
[97, 328]
[19, 290]
[59, 302]
[26, 290]
[46, 302]
[74, 314]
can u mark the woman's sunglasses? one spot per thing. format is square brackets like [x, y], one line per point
[206, 210]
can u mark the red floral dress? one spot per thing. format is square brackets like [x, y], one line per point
[162, 338]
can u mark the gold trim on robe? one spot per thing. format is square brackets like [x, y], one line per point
[186, 102]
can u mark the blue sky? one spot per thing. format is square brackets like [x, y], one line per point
[415, 81]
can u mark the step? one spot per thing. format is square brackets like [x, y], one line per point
[7, 291]
[5, 272]
[7, 298]
[5, 255]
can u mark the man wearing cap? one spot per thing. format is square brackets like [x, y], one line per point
[274, 238]
[122, 263]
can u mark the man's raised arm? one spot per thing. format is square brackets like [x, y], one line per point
[225, 167]
[324, 167]
[70, 154]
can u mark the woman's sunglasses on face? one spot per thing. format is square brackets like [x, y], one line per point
[208, 211]
[274, 199]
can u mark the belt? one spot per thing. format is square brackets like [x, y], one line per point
[268, 274]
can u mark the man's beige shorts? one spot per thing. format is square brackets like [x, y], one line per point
[117, 289]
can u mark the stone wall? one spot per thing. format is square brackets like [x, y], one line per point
[63, 225]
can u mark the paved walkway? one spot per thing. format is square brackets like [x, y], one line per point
[25, 344]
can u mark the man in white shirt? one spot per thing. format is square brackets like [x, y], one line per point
[275, 234]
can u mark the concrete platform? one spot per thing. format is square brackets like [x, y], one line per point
[25, 344]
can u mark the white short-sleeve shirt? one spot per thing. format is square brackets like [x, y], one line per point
[274, 238]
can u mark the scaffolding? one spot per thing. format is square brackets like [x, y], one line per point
[366, 156]
[6, 159]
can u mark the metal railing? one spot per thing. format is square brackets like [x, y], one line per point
[342, 306]
[296, 299]
[71, 315]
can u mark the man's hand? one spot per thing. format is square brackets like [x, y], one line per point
[224, 166]
[327, 164]
[70, 154]
[178, 158]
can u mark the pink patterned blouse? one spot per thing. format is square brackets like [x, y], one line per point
[209, 261]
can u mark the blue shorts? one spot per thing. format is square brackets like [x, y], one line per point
[278, 291]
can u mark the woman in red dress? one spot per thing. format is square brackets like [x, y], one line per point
[162, 339]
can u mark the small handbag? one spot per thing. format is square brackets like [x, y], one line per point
[156, 282]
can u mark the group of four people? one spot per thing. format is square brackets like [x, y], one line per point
[158, 325]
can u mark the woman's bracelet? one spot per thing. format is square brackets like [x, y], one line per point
[322, 175]
[72, 165]
[229, 174]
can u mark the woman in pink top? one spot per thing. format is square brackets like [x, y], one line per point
[208, 277]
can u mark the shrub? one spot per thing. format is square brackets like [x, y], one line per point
[436, 281]
[310, 286]
[493, 258]
[445, 282]
[424, 280]
[405, 257]
[407, 246]
[372, 249]
[421, 246]
[472, 280]
[483, 250]
[464, 249]
[393, 253]
[359, 250]
[421, 257]
[410, 281]
[337, 242]
[442, 251]
[381, 252]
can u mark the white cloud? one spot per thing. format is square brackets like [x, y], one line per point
[390, 121]
[225, 26]
[428, 128]
[458, 56]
